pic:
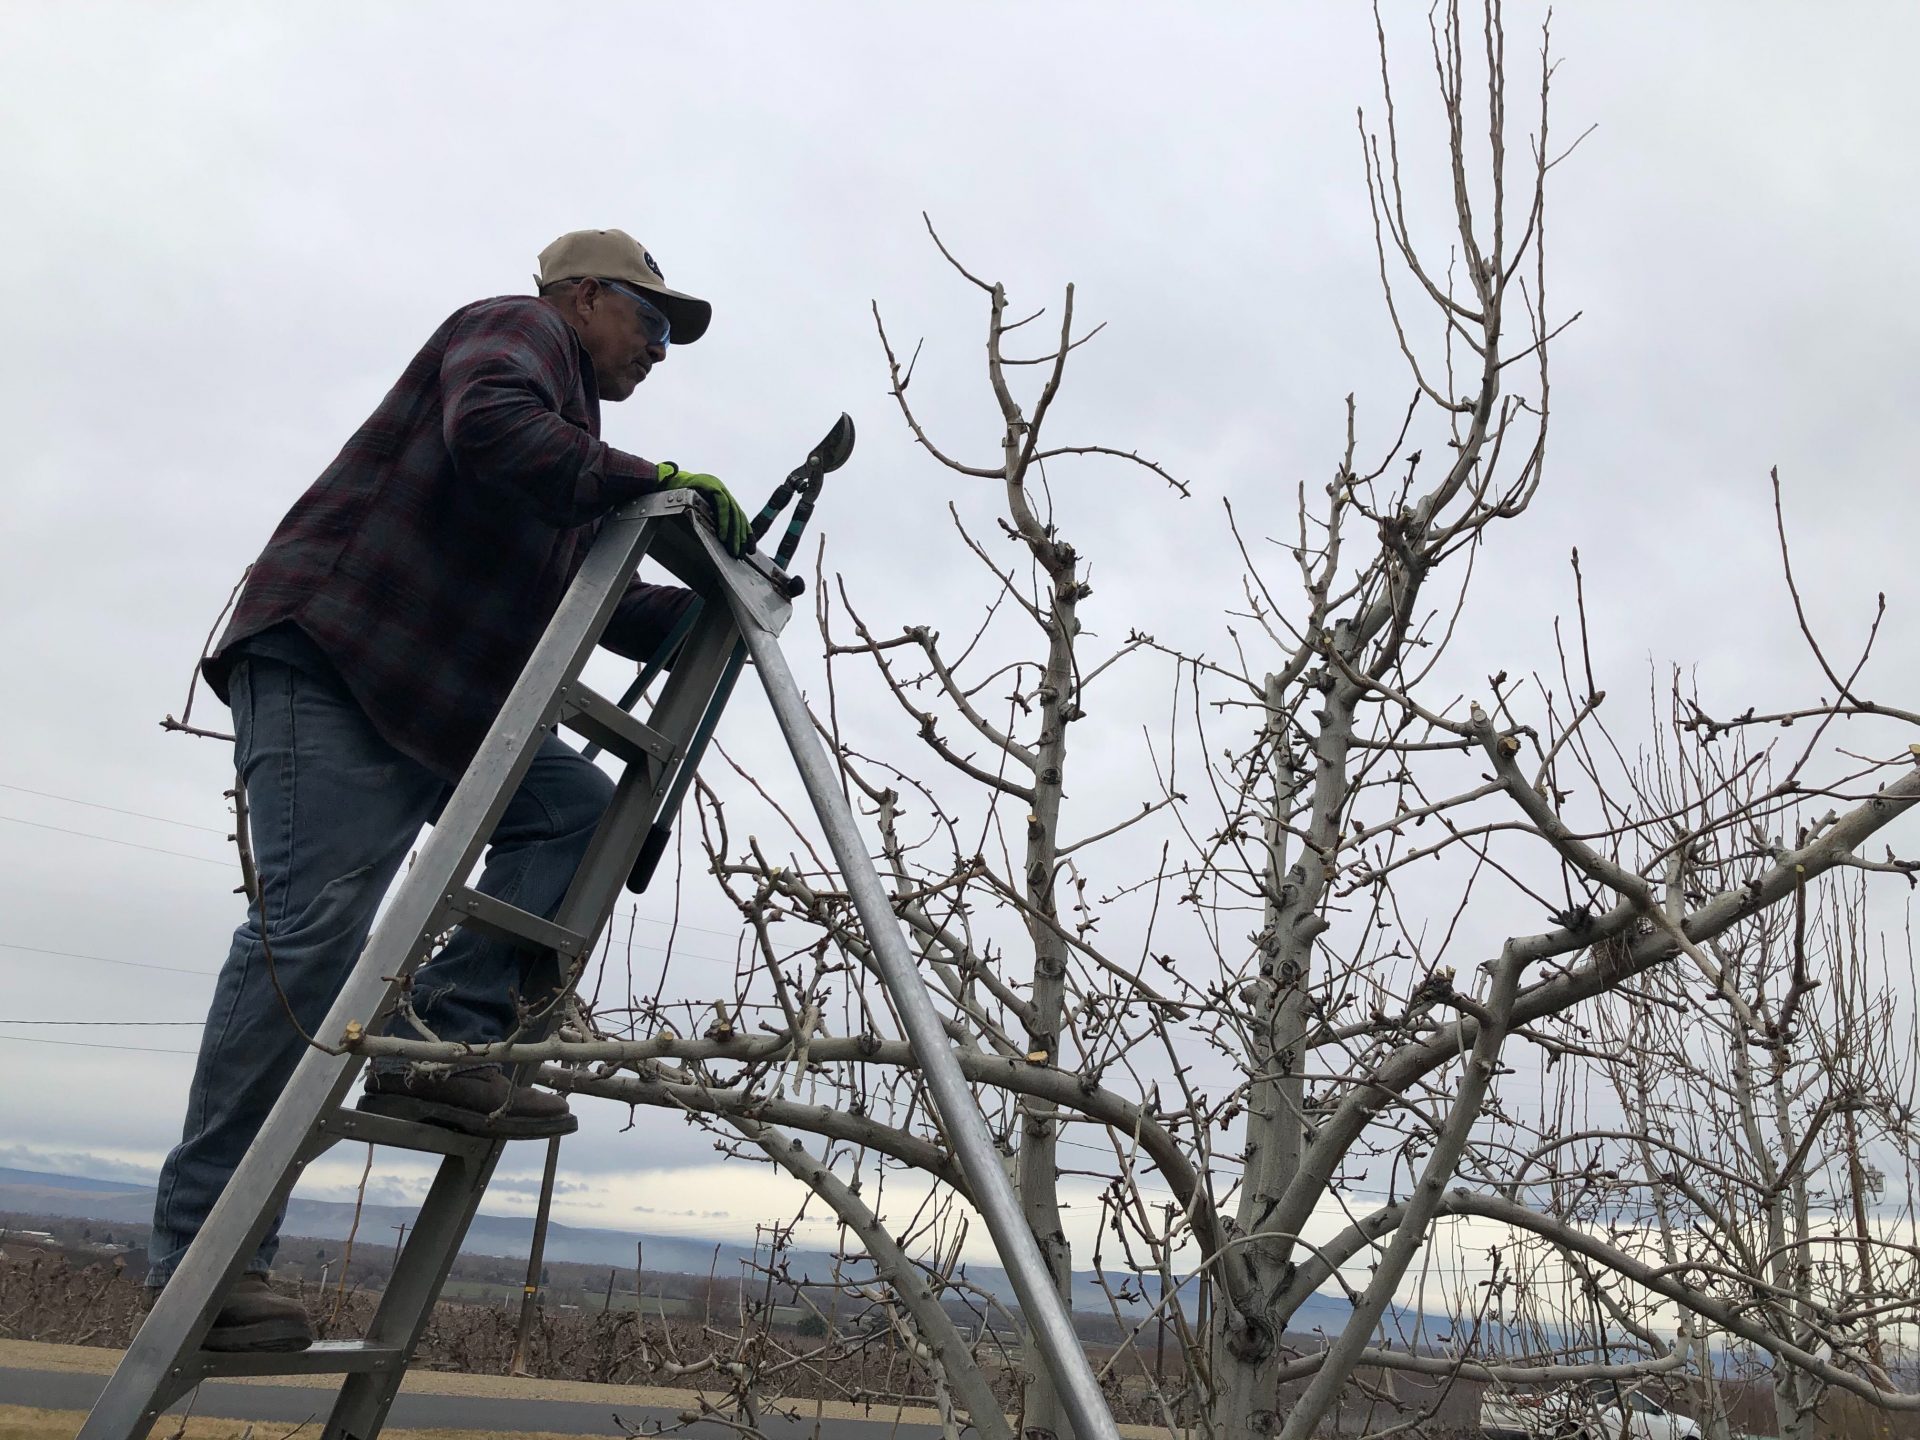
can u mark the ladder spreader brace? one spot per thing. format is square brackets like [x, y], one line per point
[745, 606]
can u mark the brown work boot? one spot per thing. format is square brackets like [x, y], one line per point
[480, 1101]
[253, 1317]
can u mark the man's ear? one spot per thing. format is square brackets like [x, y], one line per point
[572, 301]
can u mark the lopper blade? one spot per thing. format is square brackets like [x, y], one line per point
[832, 452]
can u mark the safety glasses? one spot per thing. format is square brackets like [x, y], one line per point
[653, 320]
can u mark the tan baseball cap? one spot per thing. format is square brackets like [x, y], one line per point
[616, 255]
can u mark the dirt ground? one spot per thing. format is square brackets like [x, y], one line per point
[19, 1423]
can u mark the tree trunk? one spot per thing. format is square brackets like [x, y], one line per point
[1038, 1172]
[1245, 1402]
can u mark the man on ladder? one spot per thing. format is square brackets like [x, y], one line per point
[371, 647]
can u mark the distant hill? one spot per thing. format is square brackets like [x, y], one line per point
[71, 1182]
[80, 1197]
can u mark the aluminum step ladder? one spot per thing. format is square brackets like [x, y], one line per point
[743, 606]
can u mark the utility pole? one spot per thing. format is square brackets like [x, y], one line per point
[1859, 1181]
[530, 1292]
[1204, 1306]
[398, 1246]
[1160, 1340]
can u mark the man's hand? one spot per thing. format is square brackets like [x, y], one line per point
[728, 518]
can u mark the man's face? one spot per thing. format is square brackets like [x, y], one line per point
[614, 328]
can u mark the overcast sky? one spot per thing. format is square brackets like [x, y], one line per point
[226, 228]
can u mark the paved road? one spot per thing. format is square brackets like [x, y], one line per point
[288, 1404]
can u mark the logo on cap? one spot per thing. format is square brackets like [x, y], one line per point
[653, 265]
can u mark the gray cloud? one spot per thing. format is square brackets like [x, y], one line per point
[228, 227]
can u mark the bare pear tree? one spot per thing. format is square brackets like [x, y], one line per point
[1755, 1161]
[1282, 1017]
[1378, 826]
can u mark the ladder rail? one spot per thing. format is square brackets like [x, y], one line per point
[615, 847]
[406, 1308]
[184, 1311]
[960, 1115]
[165, 1359]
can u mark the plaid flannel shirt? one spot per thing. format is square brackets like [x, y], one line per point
[427, 559]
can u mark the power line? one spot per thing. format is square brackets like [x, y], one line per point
[110, 840]
[115, 809]
[195, 1023]
[185, 970]
[106, 959]
[632, 912]
[90, 1045]
[1224, 1172]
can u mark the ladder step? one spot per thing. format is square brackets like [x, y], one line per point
[374, 1129]
[512, 924]
[591, 714]
[328, 1357]
[162, 1364]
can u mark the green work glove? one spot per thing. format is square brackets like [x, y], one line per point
[728, 518]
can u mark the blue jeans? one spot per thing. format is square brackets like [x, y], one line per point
[334, 811]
